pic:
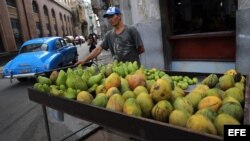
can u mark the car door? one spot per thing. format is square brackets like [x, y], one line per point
[67, 52]
[62, 50]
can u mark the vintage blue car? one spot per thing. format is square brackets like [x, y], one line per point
[40, 55]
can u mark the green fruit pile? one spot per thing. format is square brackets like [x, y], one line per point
[151, 93]
[184, 81]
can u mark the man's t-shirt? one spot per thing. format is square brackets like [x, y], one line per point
[123, 46]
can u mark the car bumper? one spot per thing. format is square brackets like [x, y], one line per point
[21, 75]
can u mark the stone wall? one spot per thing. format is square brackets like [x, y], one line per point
[146, 17]
[243, 36]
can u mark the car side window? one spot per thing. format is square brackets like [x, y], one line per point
[63, 43]
[44, 47]
[58, 44]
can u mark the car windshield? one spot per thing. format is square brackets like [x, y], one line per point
[34, 48]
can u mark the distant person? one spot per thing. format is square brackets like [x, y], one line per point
[79, 40]
[123, 41]
[91, 42]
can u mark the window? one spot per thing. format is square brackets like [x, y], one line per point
[35, 7]
[48, 28]
[58, 44]
[45, 11]
[16, 31]
[11, 3]
[197, 16]
[55, 27]
[2, 49]
[38, 29]
[63, 42]
[53, 13]
[34, 48]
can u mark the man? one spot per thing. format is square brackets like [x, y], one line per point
[123, 41]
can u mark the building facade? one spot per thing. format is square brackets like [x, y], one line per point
[25, 19]
[188, 35]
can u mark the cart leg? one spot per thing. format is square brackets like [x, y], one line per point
[46, 122]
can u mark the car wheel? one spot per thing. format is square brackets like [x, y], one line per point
[22, 79]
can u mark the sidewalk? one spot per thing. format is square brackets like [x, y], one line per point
[105, 58]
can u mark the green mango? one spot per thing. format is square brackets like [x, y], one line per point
[70, 81]
[92, 88]
[55, 91]
[80, 84]
[61, 79]
[96, 79]
[70, 93]
[43, 80]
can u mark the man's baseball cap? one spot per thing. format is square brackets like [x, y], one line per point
[111, 11]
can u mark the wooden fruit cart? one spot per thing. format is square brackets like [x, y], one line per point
[136, 127]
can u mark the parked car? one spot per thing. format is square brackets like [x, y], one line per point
[79, 40]
[40, 55]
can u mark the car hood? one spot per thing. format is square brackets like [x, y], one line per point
[31, 60]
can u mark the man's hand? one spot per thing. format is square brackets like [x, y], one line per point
[80, 62]
[140, 49]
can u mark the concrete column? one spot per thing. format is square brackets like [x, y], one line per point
[41, 14]
[30, 20]
[146, 18]
[23, 20]
[243, 36]
[5, 28]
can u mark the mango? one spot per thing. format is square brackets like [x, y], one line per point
[161, 90]
[111, 91]
[53, 76]
[135, 80]
[183, 104]
[124, 85]
[210, 114]
[230, 99]
[224, 119]
[70, 93]
[175, 94]
[236, 93]
[100, 100]
[61, 79]
[146, 103]
[212, 102]
[140, 89]
[43, 80]
[194, 98]
[115, 103]
[226, 82]
[96, 79]
[113, 80]
[100, 89]
[84, 97]
[211, 80]
[179, 117]
[131, 107]
[201, 123]
[162, 110]
[128, 94]
[233, 109]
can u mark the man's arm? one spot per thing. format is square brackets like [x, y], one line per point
[91, 56]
